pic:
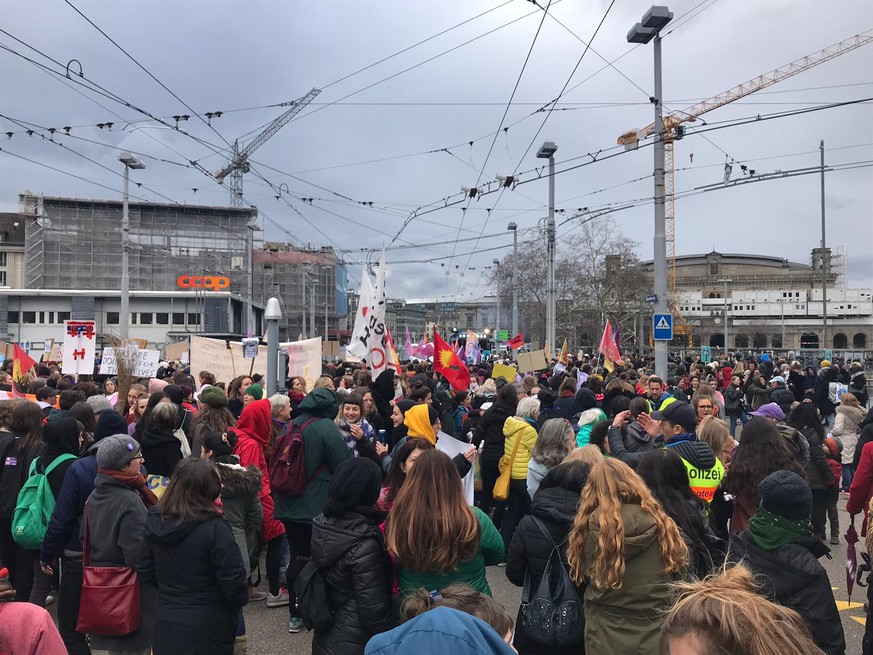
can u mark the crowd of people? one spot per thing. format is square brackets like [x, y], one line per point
[636, 514]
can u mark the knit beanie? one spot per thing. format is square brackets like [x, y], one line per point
[115, 452]
[786, 494]
[214, 397]
[174, 392]
[156, 385]
[256, 391]
[98, 403]
[108, 424]
[355, 482]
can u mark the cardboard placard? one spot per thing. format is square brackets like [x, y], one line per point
[79, 348]
[145, 366]
[250, 347]
[504, 371]
[532, 361]
[174, 351]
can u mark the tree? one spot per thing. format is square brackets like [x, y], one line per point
[598, 275]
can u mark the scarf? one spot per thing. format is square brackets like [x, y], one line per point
[771, 530]
[135, 481]
[296, 397]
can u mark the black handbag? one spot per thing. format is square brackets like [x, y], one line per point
[552, 614]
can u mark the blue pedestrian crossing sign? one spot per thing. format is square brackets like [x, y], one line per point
[662, 327]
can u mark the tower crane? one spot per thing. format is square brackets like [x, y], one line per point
[238, 162]
[674, 130]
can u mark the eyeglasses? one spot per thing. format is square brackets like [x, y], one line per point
[139, 457]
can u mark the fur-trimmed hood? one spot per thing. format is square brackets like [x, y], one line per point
[239, 480]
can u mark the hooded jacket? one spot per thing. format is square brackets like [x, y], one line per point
[847, 427]
[253, 433]
[439, 631]
[418, 423]
[350, 551]
[323, 450]
[782, 396]
[382, 389]
[531, 549]
[61, 438]
[792, 576]
[818, 471]
[519, 428]
[240, 491]
[201, 581]
[161, 451]
[628, 620]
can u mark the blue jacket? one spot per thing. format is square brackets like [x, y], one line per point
[439, 631]
[63, 529]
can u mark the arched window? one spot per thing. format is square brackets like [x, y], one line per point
[776, 340]
[741, 341]
[859, 341]
[759, 340]
[712, 294]
[809, 340]
[841, 341]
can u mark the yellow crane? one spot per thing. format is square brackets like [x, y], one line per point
[674, 129]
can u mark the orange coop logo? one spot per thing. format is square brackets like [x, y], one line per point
[214, 282]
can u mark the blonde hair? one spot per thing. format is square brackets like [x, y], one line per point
[528, 408]
[715, 434]
[727, 615]
[611, 485]
[589, 454]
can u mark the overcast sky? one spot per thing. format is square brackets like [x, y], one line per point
[225, 56]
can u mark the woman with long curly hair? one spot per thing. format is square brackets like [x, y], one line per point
[762, 451]
[436, 537]
[628, 551]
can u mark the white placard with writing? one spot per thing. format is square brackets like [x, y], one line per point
[79, 341]
[145, 362]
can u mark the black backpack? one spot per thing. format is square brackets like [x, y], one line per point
[312, 600]
[552, 615]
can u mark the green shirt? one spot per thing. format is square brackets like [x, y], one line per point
[471, 572]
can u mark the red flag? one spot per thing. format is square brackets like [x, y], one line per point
[516, 342]
[608, 347]
[446, 362]
[22, 363]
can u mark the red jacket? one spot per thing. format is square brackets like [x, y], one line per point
[726, 373]
[253, 432]
[862, 486]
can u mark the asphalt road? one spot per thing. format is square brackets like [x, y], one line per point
[268, 628]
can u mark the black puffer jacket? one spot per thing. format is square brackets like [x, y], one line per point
[490, 431]
[201, 581]
[792, 576]
[818, 471]
[530, 551]
[351, 552]
[782, 396]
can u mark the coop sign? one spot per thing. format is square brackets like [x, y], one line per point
[213, 282]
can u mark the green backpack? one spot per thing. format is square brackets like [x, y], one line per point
[35, 505]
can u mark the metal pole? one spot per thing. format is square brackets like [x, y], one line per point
[497, 312]
[272, 313]
[550, 312]
[782, 314]
[312, 308]
[725, 280]
[124, 319]
[660, 243]
[825, 260]
[250, 245]
[514, 282]
[303, 302]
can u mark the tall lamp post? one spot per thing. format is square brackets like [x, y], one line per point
[726, 281]
[496, 263]
[513, 227]
[547, 151]
[129, 162]
[272, 315]
[650, 28]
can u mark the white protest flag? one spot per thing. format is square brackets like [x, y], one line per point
[370, 340]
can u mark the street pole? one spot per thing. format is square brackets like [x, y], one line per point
[312, 307]
[272, 314]
[660, 243]
[496, 263]
[550, 327]
[514, 228]
[782, 314]
[825, 260]
[726, 280]
[303, 302]
[129, 162]
[250, 245]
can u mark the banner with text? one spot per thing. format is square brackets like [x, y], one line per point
[145, 362]
[79, 348]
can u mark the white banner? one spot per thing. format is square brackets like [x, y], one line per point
[145, 362]
[371, 341]
[79, 341]
[304, 359]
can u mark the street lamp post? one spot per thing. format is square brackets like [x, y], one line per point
[726, 281]
[496, 263]
[650, 28]
[513, 227]
[272, 315]
[547, 151]
[129, 162]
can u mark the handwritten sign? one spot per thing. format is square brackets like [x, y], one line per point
[157, 484]
[145, 362]
[79, 351]
[250, 347]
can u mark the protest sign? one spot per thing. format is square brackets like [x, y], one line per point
[79, 348]
[145, 362]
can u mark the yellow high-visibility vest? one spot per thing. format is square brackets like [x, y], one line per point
[704, 482]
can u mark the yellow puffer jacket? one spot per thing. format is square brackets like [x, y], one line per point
[518, 428]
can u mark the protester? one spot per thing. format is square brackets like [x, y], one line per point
[25, 629]
[819, 474]
[235, 391]
[716, 435]
[115, 518]
[253, 434]
[627, 550]
[520, 432]
[192, 558]
[349, 549]
[402, 462]
[323, 451]
[213, 417]
[555, 441]
[435, 536]
[780, 549]
[160, 446]
[356, 431]
[734, 404]
[463, 598]
[490, 432]
[725, 615]
[847, 428]
[586, 422]
[547, 524]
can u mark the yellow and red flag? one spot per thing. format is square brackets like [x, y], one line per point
[22, 363]
[447, 363]
[564, 357]
[609, 348]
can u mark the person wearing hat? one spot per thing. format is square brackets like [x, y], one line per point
[779, 548]
[45, 398]
[253, 392]
[348, 547]
[798, 443]
[115, 519]
[98, 404]
[781, 394]
[212, 417]
[675, 426]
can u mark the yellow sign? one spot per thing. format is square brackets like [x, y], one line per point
[504, 371]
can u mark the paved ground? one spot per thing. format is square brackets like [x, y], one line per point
[268, 632]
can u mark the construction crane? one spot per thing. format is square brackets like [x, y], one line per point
[239, 159]
[674, 130]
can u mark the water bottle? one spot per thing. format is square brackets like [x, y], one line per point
[383, 437]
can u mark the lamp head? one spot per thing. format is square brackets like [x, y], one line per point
[512, 227]
[547, 150]
[272, 312]
[130, 161]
